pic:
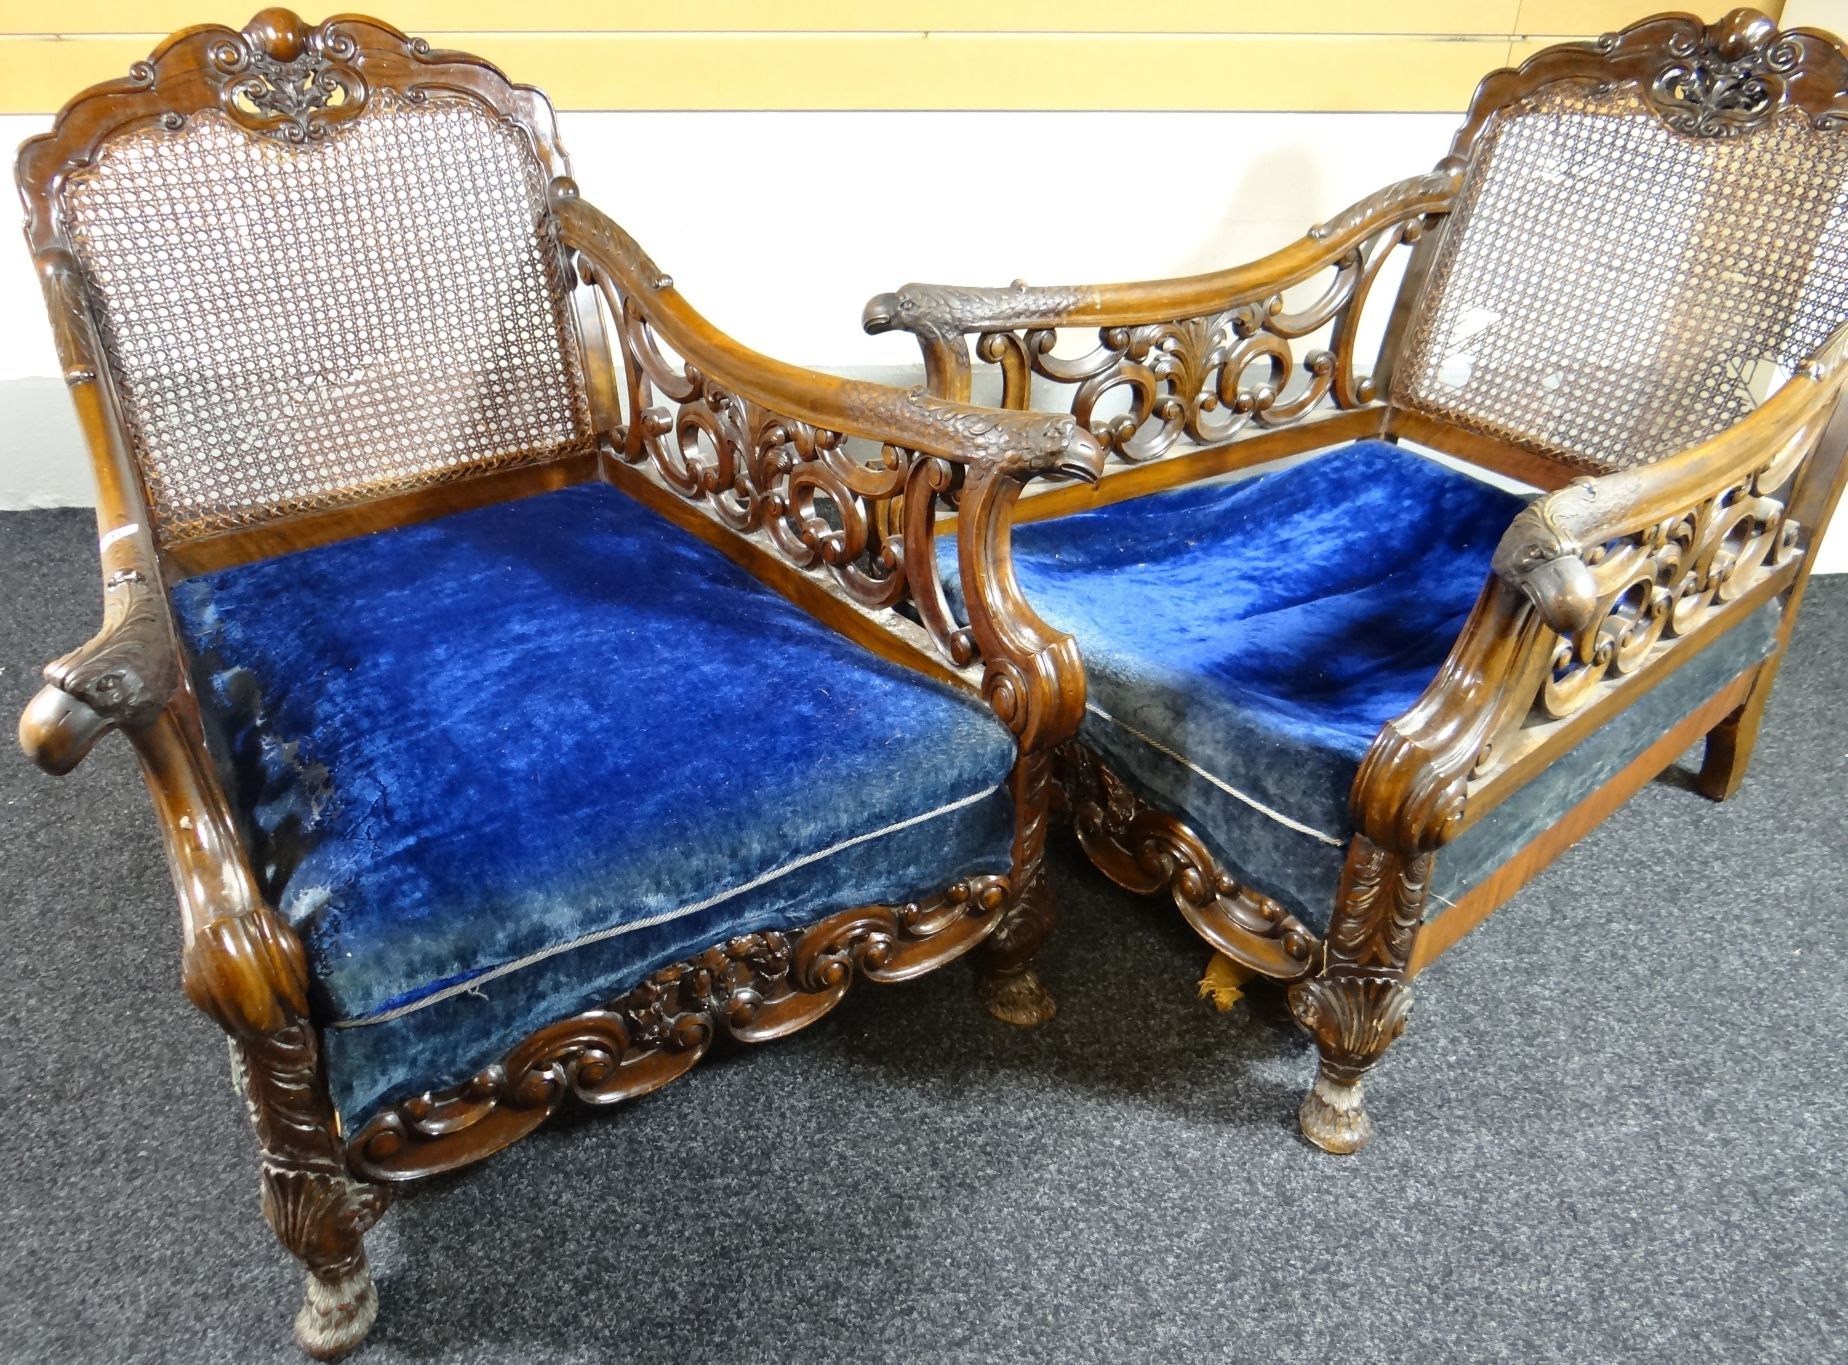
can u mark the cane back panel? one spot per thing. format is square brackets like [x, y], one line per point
[1610, 291]
[299, 324]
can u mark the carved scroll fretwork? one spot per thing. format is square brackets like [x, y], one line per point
[288, 81]
[1206, 379]
[824, 503]
[1727, 80]
[1662, 583]
[753, 989]
[1147, 850]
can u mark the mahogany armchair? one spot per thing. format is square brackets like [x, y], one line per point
[514, 660]
[1341, 711]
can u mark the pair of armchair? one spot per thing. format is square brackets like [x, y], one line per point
[535, 685]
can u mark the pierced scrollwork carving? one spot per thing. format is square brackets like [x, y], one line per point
[1205, 379]
[1725, 81]
[1664, 582]
[799, 485]
[287, 81]
[862, 515]
[1146, 850]
[751, 989]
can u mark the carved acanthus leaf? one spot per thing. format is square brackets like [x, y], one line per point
[1430, 192]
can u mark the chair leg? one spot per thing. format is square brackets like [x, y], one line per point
[1358, 1003]
[318, 1210]
[1006, 983]
[1730, 743]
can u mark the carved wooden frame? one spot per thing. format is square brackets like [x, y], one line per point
[241, 963]
[1600, 588]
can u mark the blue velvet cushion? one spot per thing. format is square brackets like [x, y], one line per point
[498, 766]
[1244, 643]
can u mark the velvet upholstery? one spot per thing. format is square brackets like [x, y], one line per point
[500, 765]
[1244, 644]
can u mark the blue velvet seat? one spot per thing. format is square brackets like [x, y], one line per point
[1244, 643]
[500, 765]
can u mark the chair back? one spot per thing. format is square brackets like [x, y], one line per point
[1651, 233]
[320, 266]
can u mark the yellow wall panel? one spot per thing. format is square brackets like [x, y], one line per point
[904, 54]
[898, 71]
[1575, 17]
[1477, 17]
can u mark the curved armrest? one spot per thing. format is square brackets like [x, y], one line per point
[1559, 617]
[240, 962]
[1549, 551]
[1032, 676]
[1016, 443]
[943, 313]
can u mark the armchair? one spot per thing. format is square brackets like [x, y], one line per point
[1341, 711]
[443, 543]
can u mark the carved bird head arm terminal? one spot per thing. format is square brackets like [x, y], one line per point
[124, 676]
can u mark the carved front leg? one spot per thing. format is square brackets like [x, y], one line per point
[1009, 989]
[319, 1211]
[1359, 1002]
[248, 972]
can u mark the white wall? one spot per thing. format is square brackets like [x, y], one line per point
[779, 226]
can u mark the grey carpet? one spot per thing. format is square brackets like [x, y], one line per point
[1613, 1132]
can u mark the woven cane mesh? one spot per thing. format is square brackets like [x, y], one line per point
[1610, 292]
[299, 327]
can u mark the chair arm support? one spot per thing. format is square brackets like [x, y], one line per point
[946, 313]
[1032, 677]
[1559, 618]
[240, 962]
[1549, 550]
[1021, 444]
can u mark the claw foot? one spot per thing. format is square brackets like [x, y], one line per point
[1333, 1117]
[337, 1312]
[1017, 998]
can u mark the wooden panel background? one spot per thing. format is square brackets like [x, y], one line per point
[1329, 55]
